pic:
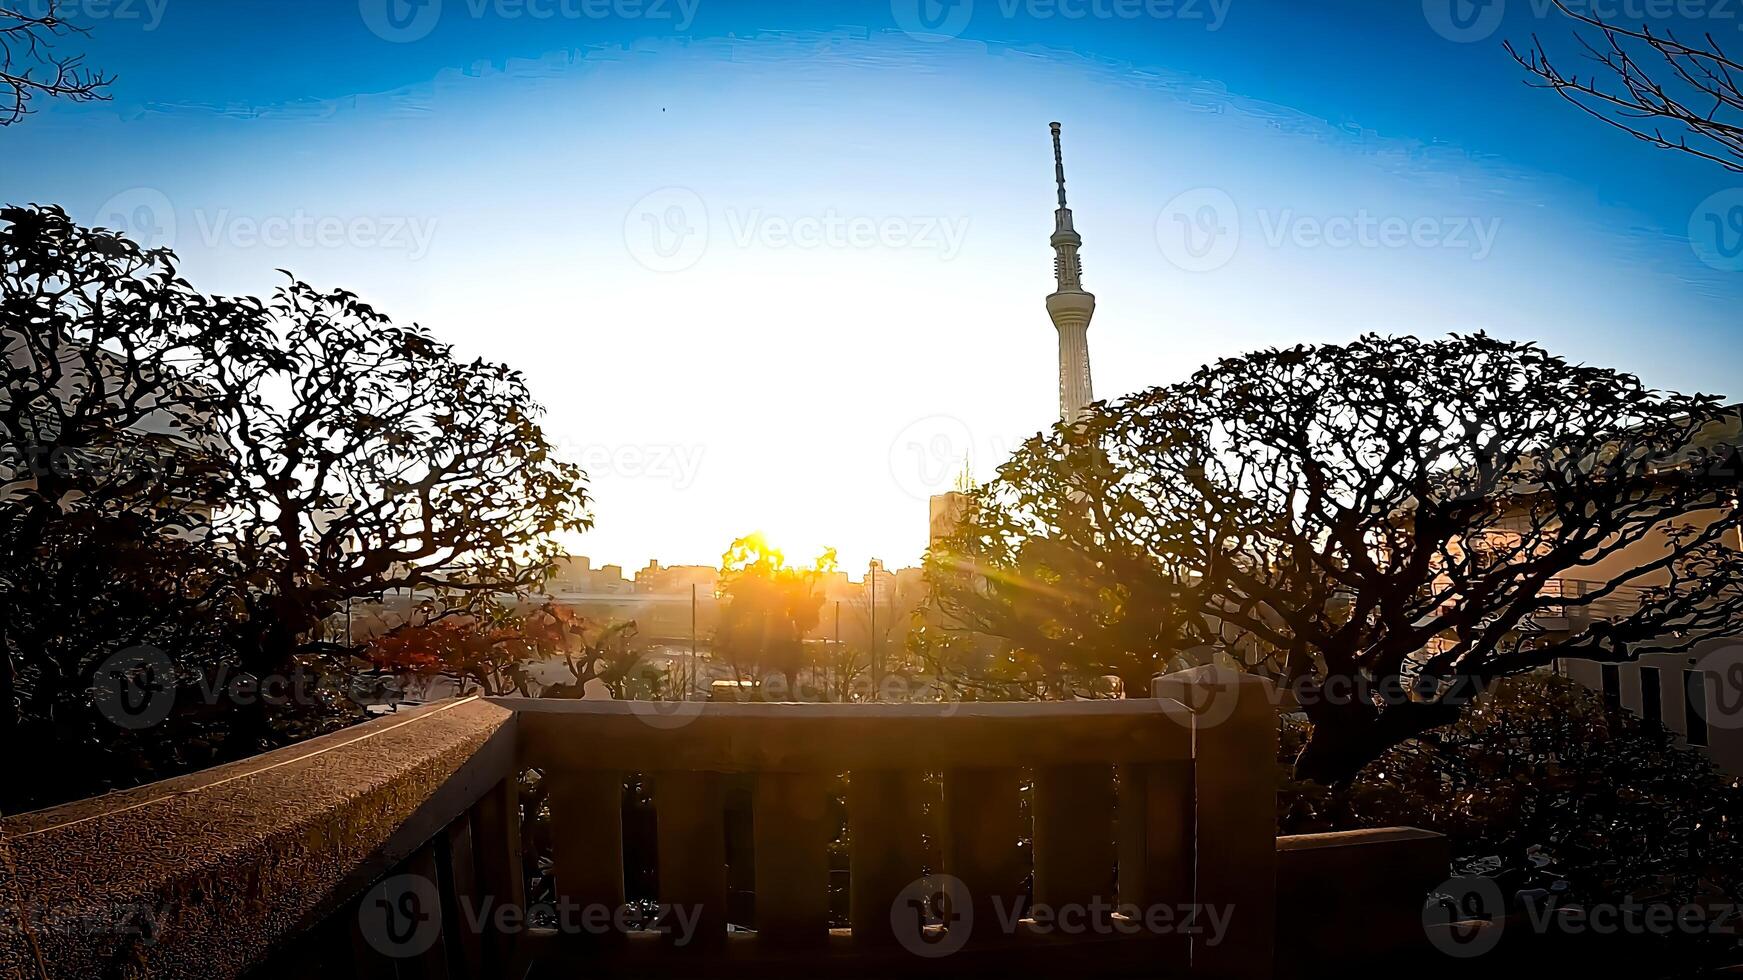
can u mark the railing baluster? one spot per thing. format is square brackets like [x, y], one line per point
[496, 843]
[1156, 850]
[1074, 838]
[460, 893]
[431, 963]
[367, 962]
[983, 843]
[885, 856]
[587, 838]
[791, 817]
[689, 815]
[740, 808]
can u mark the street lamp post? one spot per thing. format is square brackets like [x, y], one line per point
[877, 653]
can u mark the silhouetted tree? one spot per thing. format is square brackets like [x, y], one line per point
[106, 482]
[770, 608]
[1377, 525]
[30, 66]
[368, 458]
[842, 666]
[605, 652]
[1072, 565]
[213, 479]
[1642, 81]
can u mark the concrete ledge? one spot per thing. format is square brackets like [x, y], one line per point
[1354, 897]
[775, 737]
[201, 876]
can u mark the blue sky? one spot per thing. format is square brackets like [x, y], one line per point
[781, 266]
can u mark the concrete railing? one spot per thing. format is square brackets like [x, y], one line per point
[1114, 786]
[1351, 903]
[394, 848]
[1578, 612]
[212, 874]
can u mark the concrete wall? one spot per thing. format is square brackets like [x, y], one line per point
[1351, 901]
[1721, 663]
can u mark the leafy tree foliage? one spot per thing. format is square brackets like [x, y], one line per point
[105, 453]
[1541, 788]
[489, 651]
[1376, 525]
[367, 457]
[1077, 565]
[213, 479]
[770, 608]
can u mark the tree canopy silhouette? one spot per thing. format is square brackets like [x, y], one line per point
[366, 458]
[215, 478]
[770, 607]
[489, 649]
[1377, 525]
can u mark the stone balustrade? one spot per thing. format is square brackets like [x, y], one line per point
[1146, 845]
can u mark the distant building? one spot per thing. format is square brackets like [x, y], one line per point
[658, 600]
[945, 513]
[576, 574]
[677, 579]
[1697, 694]
[661, 602]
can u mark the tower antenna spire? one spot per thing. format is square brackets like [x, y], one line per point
[1069, 306]
[1058, 164]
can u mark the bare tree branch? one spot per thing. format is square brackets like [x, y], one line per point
[30, 67]
[1659, 89]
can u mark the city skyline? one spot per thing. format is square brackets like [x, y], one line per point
[578, 567]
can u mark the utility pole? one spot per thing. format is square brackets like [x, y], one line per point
[690, 688]
[876, 650]
[837, 658]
